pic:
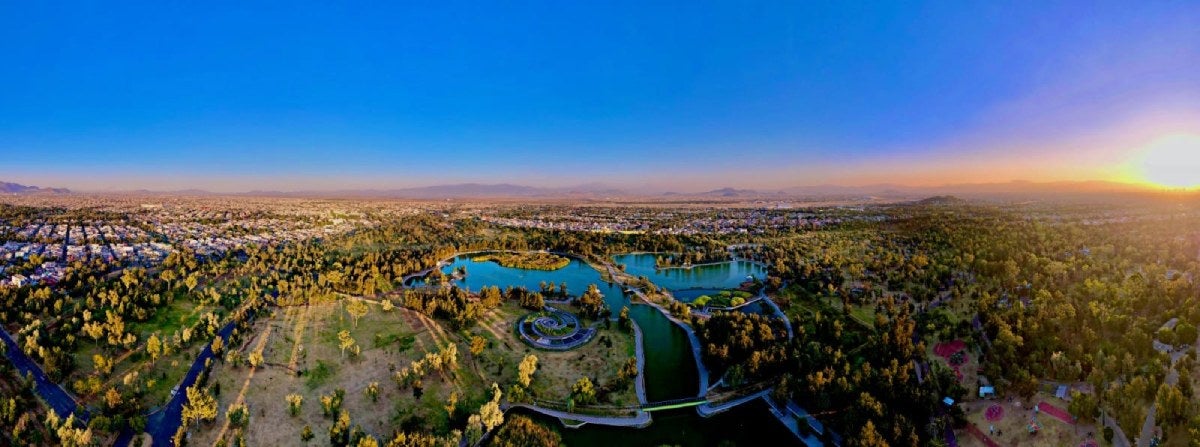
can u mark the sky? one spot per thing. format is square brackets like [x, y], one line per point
[688, 95]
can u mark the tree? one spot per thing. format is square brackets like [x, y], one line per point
[372, 391]
[490, 415]
[256, 358]
[584, 392]
[1171, 406]
[154, 347]
[339, 432]
[357, 309]
[200, 406]
[237, 415]
[1084, 406]
[526, 369]
[591, 303]
[306, 434]
[386, 305]
[71, 436]
[217, 345]
[629, 370]
[191, 282]
[449, 357]
[623, 319]
[478, 344]
[870, 437]
[294, 402]
[521, 431]
[345, 341]
[103, 365]
[234, 357]
[451, 402]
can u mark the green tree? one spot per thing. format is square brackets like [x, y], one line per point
[1171, 407]
[526, 369]
[357, 309]
[584, 392]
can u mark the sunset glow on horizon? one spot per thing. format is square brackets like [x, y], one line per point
[1171, 162]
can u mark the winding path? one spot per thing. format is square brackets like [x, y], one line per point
[639, 385]
[640, 420]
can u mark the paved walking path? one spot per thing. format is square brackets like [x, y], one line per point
[709, 409]
[640, 420]
[639, 385]
[1119, 438]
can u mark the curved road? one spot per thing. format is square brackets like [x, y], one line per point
[162, 423]
[54, 395]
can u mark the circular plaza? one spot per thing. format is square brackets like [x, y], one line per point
[554, 330]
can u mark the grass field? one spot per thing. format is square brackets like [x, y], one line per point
[557, 371]
[301, 356]
[161, 374]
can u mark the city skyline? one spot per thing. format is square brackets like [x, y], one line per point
[319, 97]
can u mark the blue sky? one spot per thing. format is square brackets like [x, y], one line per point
[299, 95]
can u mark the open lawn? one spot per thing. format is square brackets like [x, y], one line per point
[557, 371]
[162, 374]
[301, 356]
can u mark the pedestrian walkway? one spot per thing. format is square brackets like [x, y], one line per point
[640, 420]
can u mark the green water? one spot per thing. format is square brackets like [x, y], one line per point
[724, 275]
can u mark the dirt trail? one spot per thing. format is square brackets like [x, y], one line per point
[241, 397]
[298, 337]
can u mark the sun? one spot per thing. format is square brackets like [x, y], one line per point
[1171, 162]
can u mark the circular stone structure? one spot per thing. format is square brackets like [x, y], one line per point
[554, 330]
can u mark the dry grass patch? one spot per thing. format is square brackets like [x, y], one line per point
[308, 339]
[557, 371]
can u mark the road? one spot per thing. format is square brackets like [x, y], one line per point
[162, 423]
[53, 394]
[1148, 426]
[1119, 437]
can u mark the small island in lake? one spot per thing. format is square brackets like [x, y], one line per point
[530, 261]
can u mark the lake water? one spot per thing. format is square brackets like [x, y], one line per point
[725, 275]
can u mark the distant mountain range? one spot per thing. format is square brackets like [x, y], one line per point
[1016, 190]
[14, 188]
